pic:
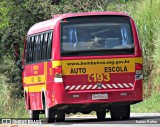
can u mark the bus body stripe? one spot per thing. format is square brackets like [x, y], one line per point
[56, 64]
[36, 88]
[34, 79]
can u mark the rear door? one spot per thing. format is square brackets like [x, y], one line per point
[98, 52]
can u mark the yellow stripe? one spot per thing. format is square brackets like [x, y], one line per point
[70, 66]
[36, 88]
[56, 64]
[138, 60]
[34, 79]
[93, 66]
[26, 89]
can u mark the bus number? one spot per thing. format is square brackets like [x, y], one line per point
[99, 77]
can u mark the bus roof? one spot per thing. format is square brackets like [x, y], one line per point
[50, 24]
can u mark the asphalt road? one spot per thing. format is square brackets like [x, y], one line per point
[136, 120]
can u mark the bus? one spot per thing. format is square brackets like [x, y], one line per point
[82, 62]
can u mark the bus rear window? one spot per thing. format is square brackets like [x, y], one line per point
[100, 35]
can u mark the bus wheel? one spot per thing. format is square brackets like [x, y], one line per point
[60, 116]
[120, 112]
[101, 114]
[50, 115]
[34, 114]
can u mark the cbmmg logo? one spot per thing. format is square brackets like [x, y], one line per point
[6, 121]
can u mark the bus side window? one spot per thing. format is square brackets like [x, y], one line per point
[31, 55]
[37, 46]
[33, 48]
[49, 48]
[46, 45]
[41, 47]
[29, 51]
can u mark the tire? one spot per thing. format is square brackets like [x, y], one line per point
[34, 114]
[49, 114]
[101, 114]
[60, 116]
[120, 112]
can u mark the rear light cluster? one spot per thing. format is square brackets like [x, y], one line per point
[139, 71]
[58, 74]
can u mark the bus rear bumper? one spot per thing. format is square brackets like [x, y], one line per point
[115, 95]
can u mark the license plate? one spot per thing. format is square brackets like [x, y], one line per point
[99, 96]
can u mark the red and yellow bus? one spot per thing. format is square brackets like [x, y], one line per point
[83, 62]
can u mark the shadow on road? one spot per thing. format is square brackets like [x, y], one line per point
[132, 120]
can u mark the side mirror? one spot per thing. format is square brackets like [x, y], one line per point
[16, 51]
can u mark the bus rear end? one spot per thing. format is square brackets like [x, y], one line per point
[100, 67]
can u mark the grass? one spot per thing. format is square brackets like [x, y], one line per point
[150, 105]
[10, 108]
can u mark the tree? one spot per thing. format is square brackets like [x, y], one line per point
[66, 6]
[21, 15]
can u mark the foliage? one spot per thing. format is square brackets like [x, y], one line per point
[3, 15]
[156, 42]
[151, 105]
[147, 20]
[21, 15]
[13, 77]
[68, 6]
[146, 32]
[9, 106]
[3, 22]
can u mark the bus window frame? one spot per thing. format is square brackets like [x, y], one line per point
[28, 44]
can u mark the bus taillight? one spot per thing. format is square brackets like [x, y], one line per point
[139, 69]
[58, 74]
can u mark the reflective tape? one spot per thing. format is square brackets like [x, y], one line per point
[100, 86]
